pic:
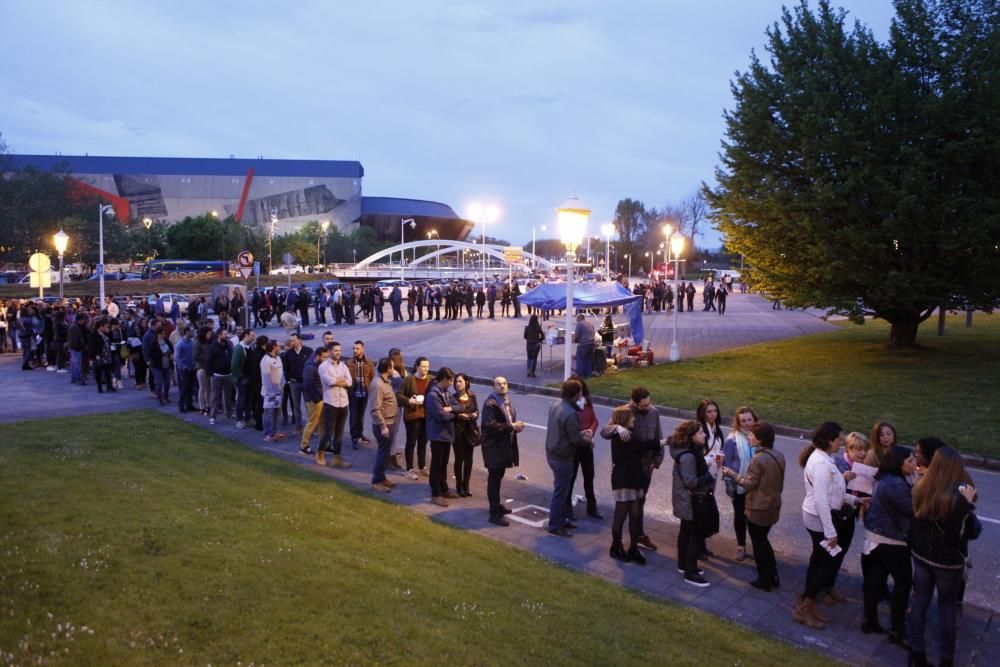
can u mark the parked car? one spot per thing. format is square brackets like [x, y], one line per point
[387, 285]
[168, 301]
[294, 269]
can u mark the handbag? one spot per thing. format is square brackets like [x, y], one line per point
[706, 513]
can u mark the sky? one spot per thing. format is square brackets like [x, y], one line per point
[520, 104]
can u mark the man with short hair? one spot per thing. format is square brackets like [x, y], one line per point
[499, 428]
[185, 365]
[77, 345]
[562, 437]
[362, 373]
[312, 392]
[336, 379]
[293, 361]
[395, 299]
[585, 345]
[384, 412]
[241, 372]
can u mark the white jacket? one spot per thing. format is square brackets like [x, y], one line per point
[826, 490]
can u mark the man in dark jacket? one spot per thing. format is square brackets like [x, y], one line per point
[395, 300]
[562, 438]
[499, 428]
[220, 369]
[312, 392]
[294, 360]
[77, 346]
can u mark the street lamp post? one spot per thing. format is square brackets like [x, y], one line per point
[483, 214]
[402, 239]
[323, 226]
[61, 238]
[437, 257]
[608, 230]
[677, 245]
[628, 256]
[102, 209]
[648, 254]
[572, 218]
[270, 237]
[534, 259]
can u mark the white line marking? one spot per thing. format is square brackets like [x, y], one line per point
[534, 425]
[989, 520]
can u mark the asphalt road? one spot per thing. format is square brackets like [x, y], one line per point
[789, 537]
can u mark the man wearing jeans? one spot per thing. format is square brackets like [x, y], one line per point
[241, 372]
[77, 344]
[336, 381]
[362, 373]
[312, 391]
[562, 438]
[384, 412]
[294, 360]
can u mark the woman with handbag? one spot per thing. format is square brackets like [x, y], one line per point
[827, 512]
[466, 433]
[887, 553]
[693, 500]
[764, 482]
[944, 520]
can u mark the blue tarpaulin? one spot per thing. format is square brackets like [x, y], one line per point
[552, 296]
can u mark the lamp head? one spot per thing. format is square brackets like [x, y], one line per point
[668, 229]
[214, 214]
[61, 240]
[677, 245]
[325, 225]
[572, 217]
[147, 222]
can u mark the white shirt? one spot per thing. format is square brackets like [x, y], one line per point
[826, 490]
[113, 309]
[329, 373]
[271, 375]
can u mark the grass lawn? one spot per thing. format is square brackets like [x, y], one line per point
[948, 387]
[138, 539]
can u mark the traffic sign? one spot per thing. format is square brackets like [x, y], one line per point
[99, 270]
[43, 279]
[245, 258]
[39, 262]
[246, 271]
[513, 255]
[256, 268]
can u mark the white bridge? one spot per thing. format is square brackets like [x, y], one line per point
[427, 266]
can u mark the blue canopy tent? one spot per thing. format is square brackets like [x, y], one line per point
[552, 296]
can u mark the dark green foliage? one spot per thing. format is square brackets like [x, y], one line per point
[862, 177]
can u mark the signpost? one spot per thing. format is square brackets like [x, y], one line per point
[41, 272]
[512, 256]
[246, 266]
[288, 259]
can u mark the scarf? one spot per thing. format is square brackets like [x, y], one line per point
[746, 453]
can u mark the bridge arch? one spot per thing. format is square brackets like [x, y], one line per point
[446, 247]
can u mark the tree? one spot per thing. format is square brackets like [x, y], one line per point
[861, 177]
[631, 222]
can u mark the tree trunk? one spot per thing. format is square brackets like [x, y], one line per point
[903, 329]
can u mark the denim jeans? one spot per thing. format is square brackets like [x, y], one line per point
[438, 477]
[162, 379]
[76, 365]
[584, 361]
[244, 406]
[925, 580]
[185, 385]
[295, 389]
[382, 454]
[270, 421]
[562, 474]
[222, 385]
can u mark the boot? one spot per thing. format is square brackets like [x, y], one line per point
[814, 611]
[320, 458]
[339, 462]
[802, 616]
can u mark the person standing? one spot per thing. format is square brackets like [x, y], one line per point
[680, 297]
[737, 452]
[533, 337]
[491, 299]
[77, 346]
[294, 360]
[764, 481]
[562, 438]
[384, 419]
[220, 366]
[480, 302]
[411, 396]
[378, 303]
[887, 527]
[336, 379]
[499, 427]
[362, 373]
[944, 520]
[825, 519]
[186, 367]
[720, 299]
[627, 482]
[440, 407]
[272, 384]
[584, 459]
[395, 300]
[241, 362]
[411, 302]
[690, 291]
[585, 344]
[312, 392]
[466, 433]
[100, 351]
[338, 306]
[692, 496]
[202, 345]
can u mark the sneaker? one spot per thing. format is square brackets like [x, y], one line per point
[212, 421]
[241, 425]
[645, 542]
[381, 488]
[389, 482]
[681, 570]
[440, 502]
[425, 472]
[50, 368]
[306, 451]
[696, 580]
[742, 555]
[62, 370]
[412, 474]
[268, 438]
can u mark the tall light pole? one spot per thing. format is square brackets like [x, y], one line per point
[628, 256]
[102, 209]
[437, 258]
[323, 226]
[677, 245]
[650, 263]
[402, 239]
[572, 218]
[608, 230]
[222, 239]
[483, 214]
[60, 239]
[534, 260]
[270, 238]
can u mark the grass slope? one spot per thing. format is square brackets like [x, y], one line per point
[138, 539]
[947, 387]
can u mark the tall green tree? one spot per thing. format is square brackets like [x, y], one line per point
[862, 177]
[631, 222]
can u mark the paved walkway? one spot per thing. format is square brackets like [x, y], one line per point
[486, 348]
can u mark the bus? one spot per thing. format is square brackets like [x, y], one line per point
[184, 268]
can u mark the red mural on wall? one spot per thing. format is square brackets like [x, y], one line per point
[80, 191]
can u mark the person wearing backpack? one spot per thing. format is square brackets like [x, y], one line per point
[764, 482]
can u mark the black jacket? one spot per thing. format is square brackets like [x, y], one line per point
[294, 362]
[944, 544]
[499, 438]
[220, 358]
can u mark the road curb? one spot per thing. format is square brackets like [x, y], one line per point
[970, 460]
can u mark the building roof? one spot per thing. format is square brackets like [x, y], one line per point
[400, 206]
[188, 166]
